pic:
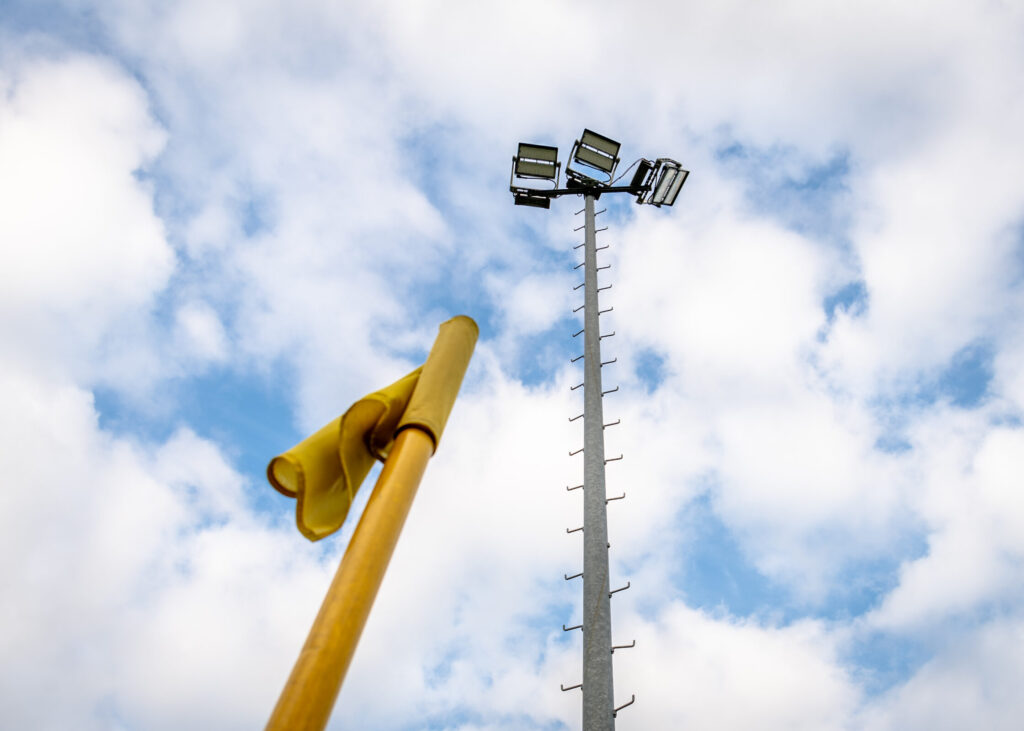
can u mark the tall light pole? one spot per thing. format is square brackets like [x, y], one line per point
[590, 173]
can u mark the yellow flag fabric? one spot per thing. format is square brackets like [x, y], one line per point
[324, 471]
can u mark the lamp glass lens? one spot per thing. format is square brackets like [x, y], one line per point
[594, 159]
[664, 183]
[538, 152]
[532, 169]
[600, 142]
[677, 184]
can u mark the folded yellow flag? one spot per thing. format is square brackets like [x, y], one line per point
[325, 470]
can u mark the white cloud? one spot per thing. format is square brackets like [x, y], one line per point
[968, 493]
[973, 683]
[691, 670]
[1008, 368]
[136, 570]
[200, 332]
[80, 240]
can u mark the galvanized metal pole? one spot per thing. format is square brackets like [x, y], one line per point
[598, 691]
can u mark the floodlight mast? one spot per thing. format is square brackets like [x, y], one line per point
[598, 690]
[594, 157]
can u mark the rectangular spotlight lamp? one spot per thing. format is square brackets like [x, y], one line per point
[535, 201]
[598, 151]
[666, 190]
[536, 161]
[642, 175]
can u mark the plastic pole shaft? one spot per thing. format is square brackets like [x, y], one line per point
[309, 694]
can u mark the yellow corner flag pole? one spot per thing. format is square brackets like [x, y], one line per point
[309, 694]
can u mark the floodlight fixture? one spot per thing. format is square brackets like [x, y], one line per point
[597, 154]
[641, 182]
[669, 176]
[537, 161]
[534, 164]
[525, 199]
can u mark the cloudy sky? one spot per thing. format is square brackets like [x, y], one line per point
[221, 223]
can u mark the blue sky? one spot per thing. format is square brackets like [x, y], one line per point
[223, 223]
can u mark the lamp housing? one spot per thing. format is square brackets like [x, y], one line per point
[534, 164]
[641, 183]
[521, 198]
[538, 162]
[593, 159]
[668, 178]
